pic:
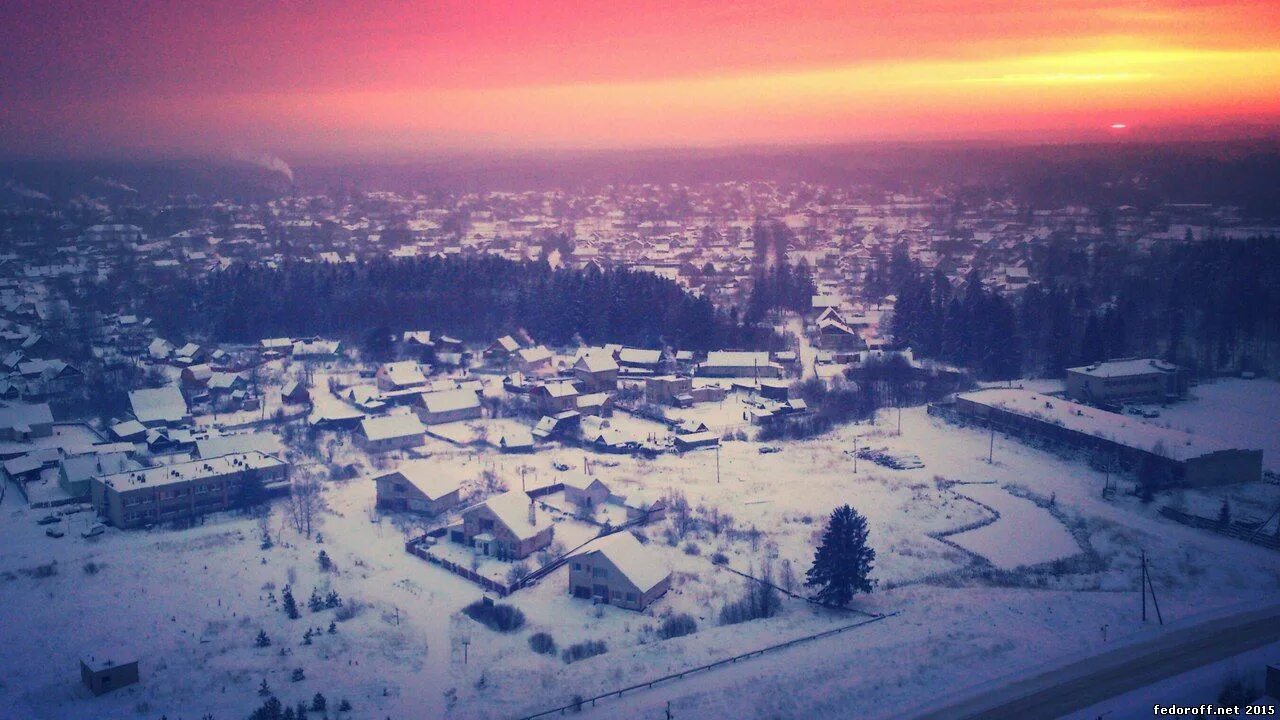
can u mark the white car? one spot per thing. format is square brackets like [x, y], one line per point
[94, 531]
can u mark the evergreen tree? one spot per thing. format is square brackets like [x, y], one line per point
[344, 706]
[262, 640]
[332, 600]
[290, 606]
[315, 603]
[842, 563]
[318, 703]
[298, 675]
[325, 563]
[264, 689]
[272, 709]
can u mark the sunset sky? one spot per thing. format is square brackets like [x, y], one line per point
[323, 79]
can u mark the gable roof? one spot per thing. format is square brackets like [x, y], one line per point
[595, 362]
[449, 400]
[511, 508]
[642, 567]
[164, 404]
[392, 426]
[426, 477]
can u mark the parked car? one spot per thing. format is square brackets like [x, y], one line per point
[48, 520]
[94, 531]
[769, 449]
[54, 533]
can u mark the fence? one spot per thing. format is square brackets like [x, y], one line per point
[647, 684]
[415, 547]
[1248, 533]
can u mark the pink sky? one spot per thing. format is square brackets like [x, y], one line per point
[331, 79]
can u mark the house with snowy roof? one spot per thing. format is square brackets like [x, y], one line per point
[417, 486]
[443, 406]
[507, 526]
[391, 432]
[618, 570]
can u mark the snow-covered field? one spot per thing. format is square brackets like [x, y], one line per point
[1025, 534]
[190, 602]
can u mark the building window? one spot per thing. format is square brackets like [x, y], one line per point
[599, 572]
[631, 597]
[577, 566]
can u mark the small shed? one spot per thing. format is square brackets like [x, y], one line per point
[103, 672]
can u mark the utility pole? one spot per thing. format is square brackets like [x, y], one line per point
[991, 449]
[1143, 582]
[1154, 601]
[466, 643]
[717, 463]
[855, 454]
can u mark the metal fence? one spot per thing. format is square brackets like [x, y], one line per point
[647, 684]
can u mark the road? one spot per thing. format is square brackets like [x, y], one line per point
[1054, 693]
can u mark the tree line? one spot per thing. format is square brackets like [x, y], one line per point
[1212, 306]
[471, 298]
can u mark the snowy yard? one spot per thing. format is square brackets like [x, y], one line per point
[409, 652]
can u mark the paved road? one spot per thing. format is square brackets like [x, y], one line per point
[1056, 692]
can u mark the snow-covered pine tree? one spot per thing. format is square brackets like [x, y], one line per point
[843, 561]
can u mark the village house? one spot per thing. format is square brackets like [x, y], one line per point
[23, 422]
[445, 406]
[159, 406]
[669, 390]
[555, 397]
[636, 360]
[534, 360]
[391, 432]
[597, 372]
[584, 491]
[417, 486]
[506, 526]
[503, 351]
[183, 490]
[400, 375]
[618, 570]
[599, 404]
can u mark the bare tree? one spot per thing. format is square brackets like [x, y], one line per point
[305, 503]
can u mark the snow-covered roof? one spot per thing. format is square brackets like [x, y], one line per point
[25, 416]
[636, 356]
[403, 373]
[392, 426]
[512, 509]
[736, 358]
[193, 470]
[594, 362]
[426, 477]
[1123, 429]
[449, 400]
[245, 442]
[164, 404]
[642, 567]
[1125, 368]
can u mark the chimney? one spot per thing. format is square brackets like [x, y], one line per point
[533, 513]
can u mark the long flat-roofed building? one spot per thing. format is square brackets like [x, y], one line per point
[183, 490]
[1192, 459]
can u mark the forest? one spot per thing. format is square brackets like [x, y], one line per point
[474, 299]
[1213, 307]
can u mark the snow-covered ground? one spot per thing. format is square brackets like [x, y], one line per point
[1025, 534]
[190, 602]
